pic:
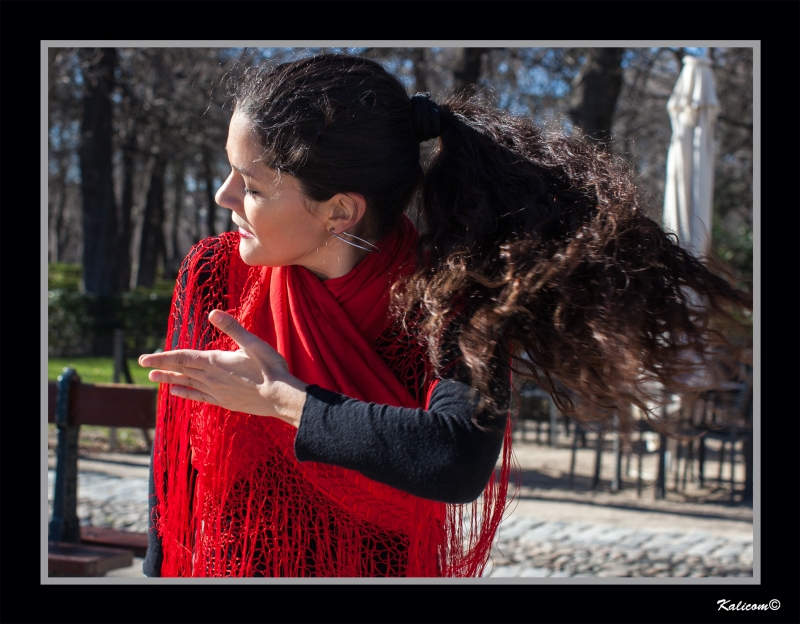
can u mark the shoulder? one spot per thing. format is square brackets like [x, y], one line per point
[211, 251]
[208, 262]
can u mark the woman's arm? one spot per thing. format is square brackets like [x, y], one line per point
[439, 453]
[255, 379]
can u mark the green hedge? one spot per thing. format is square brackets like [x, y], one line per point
[82, 324]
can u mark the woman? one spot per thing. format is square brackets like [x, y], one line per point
[338, 384]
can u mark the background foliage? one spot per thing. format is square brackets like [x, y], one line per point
[136, 138]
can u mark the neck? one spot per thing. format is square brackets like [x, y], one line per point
[340, 260]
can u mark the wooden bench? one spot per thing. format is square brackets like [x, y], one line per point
[74, 550]
[68, 559]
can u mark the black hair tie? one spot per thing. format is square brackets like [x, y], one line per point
[426, 121]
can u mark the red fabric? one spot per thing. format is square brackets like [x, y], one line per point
[236, 501]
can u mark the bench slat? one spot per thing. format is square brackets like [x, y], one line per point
[65, 559]
[115, 405]
[52, 394]
[115, 538]
[108, 405]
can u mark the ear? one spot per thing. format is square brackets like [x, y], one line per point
[344, 211]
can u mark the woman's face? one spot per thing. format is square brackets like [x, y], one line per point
[277, 224]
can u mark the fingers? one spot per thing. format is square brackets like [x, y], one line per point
[169, 377]
[180, 360]
[229, 325]
[251, 344]
[192, 395]
[183, 386]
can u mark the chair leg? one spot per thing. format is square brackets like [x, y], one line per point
[733, 464]
[640, 460]
[574, 453]
[701, 462]
[618, 471]
[687, 463]
[747, 457]
[598, 461]
[676, 466]
[616, 481]
[661, 479]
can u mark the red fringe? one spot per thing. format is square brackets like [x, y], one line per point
[235, 501]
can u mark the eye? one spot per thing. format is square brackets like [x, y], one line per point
[247, 191]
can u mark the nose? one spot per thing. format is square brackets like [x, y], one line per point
[226, 197]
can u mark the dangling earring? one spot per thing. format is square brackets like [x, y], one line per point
[374, 248]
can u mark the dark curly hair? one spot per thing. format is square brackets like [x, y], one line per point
[540, 242]
[535, 244]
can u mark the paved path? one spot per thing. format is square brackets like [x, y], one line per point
[109, 501]
[528, 545]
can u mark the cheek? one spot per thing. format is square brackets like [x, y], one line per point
[277, 232]
[284, 230]
[294, 224]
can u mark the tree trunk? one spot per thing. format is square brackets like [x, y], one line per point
[595, 92]
[196, 220]
[179, 174]
[100, 236]
[151, 247]
[60, 226]
[208, 174]
[126, 230]
[468, 67]
[52, 54]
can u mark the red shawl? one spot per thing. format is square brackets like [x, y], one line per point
[235, 501]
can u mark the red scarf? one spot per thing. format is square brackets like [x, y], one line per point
[235, 500]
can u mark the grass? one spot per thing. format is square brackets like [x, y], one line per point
[96, 370]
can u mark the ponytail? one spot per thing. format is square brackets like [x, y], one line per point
[537, 245]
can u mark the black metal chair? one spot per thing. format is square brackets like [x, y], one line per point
[723, 414]
[531, 409]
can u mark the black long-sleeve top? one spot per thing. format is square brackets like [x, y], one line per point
[438, 453]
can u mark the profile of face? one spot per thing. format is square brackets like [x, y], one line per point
[278, 225]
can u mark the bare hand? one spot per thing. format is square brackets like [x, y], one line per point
[254, 380]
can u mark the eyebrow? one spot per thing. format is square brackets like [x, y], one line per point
[242, 171]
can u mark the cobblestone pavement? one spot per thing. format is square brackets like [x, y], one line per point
[526, 547]
[108, 501]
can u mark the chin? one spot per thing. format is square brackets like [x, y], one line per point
[249, 256]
